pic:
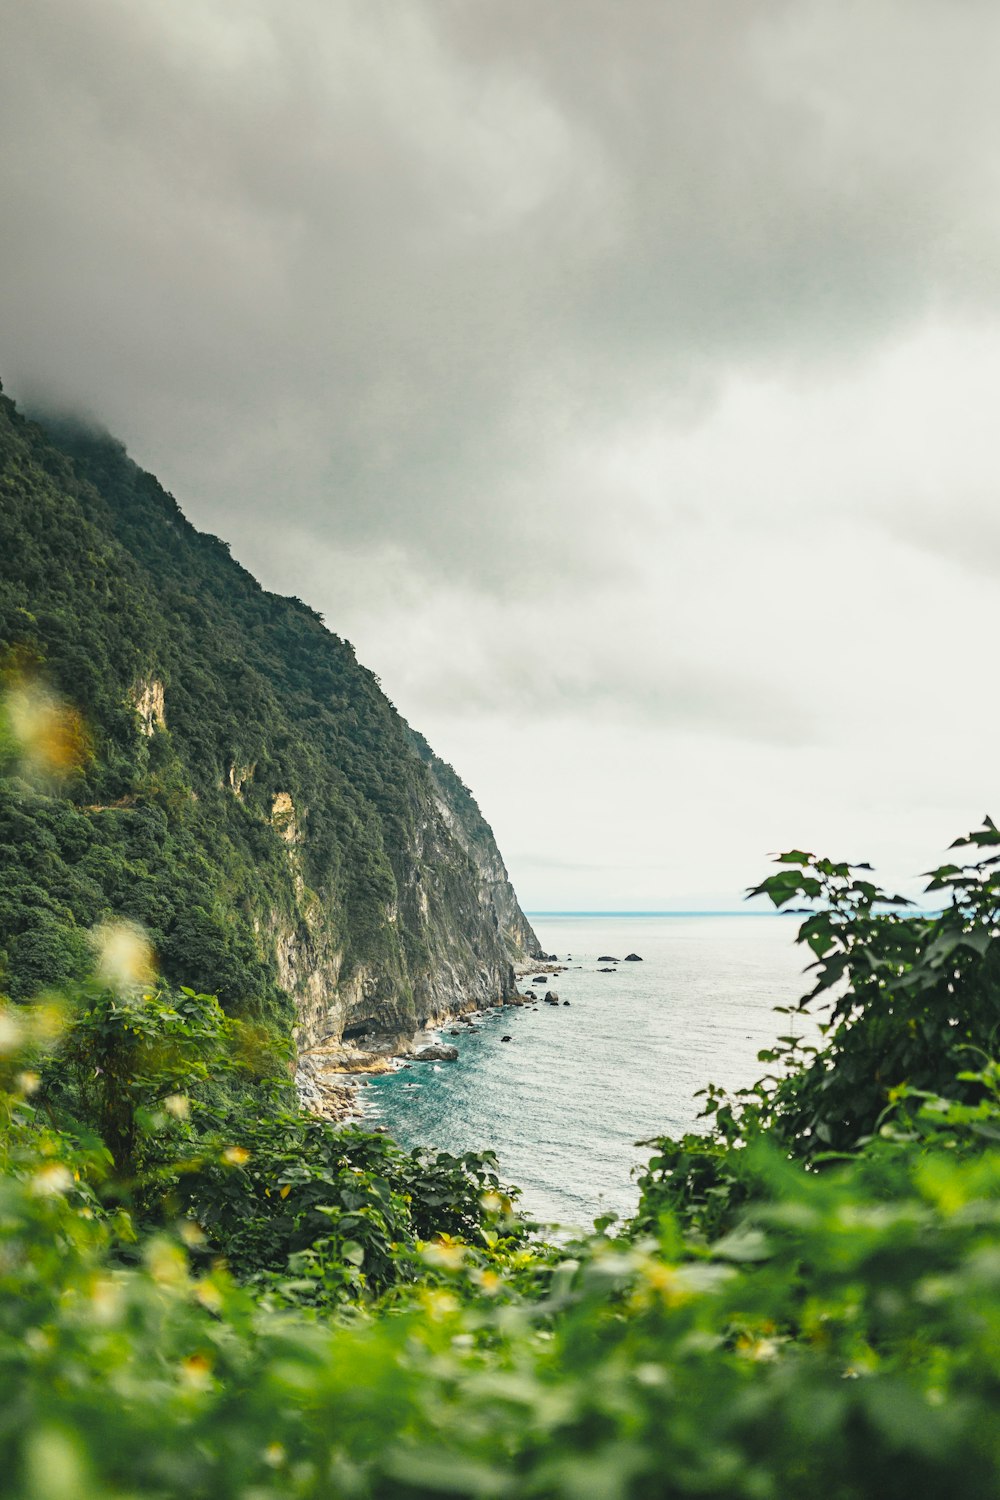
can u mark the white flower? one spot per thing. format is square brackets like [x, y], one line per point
[124, 955]
[10, 1033]
[50, 1181]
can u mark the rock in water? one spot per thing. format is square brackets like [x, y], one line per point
[439, 1052]
[633, 958]
[606, 958]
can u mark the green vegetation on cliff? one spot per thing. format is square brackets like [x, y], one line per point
[206, 1294]
[243, 788]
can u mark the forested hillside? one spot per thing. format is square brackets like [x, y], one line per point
[235, 782]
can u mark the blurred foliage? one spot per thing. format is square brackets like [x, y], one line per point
[206, 1294]
[906, 1006]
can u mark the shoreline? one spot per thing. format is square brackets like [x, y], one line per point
[329, 1079]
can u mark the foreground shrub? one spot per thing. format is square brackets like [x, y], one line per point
[843, 1341]
[214, 1296]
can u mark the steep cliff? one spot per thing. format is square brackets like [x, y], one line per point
[247, 791]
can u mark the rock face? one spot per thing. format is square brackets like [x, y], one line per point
[254, 800]
[464, 821]
[148, 699]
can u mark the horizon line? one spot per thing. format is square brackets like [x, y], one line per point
[699, 911]
[710, 911]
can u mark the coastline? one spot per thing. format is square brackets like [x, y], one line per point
[330, 1078]
[564, 1103]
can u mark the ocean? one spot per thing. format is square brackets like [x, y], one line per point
[564, 1103]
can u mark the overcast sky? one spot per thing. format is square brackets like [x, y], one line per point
[620, 376]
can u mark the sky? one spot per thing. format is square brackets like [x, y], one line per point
[620, 376]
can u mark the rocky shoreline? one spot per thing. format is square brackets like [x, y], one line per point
[330, 1077]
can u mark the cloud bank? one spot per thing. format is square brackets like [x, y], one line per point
[617, 377]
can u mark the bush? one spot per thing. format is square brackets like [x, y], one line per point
[217, 1296]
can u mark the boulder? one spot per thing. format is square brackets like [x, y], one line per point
[438, 1052]
[565, 1002]
[607, 971]
[539, 979]
[551, 997]
[605, 958]
[506, 1038]
[633, 958]
[530, 995]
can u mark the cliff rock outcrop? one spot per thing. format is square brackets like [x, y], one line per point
[249, 793]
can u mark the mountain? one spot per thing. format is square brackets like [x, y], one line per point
[240, 784]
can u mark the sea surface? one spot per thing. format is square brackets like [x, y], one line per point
[565, 1102]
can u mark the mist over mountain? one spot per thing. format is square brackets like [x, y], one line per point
[240, 786]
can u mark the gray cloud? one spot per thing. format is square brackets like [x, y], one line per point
[616, 368]
[379, 267]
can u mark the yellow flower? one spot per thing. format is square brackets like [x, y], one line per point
[124, 955]
[53, 736]
[106, 1299]
[236, 1156]
[48, 1021]
[660, 1282]
[52, 1180]
[439, 1305]
[10, 1032]
[196, 1370]
[166, 1262]
[445, 1252]
[208, 1294]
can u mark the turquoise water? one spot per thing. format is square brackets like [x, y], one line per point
[564, 1103]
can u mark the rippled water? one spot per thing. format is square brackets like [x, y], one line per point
[564, 1103]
